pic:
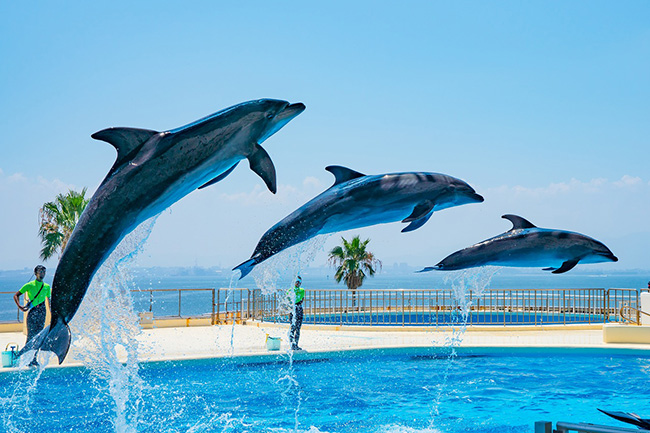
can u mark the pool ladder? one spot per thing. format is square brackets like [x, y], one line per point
[631, 315]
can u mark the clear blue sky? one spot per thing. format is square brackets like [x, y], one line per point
[543, 107]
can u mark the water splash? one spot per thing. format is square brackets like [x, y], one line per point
[466, 285]
[107, 327]
[277, 275]
[279, 272]
[231, 294]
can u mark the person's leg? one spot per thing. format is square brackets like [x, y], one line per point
[299, 316]
[292, 332]
[35, 324]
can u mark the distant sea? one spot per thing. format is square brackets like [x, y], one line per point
[395, 277]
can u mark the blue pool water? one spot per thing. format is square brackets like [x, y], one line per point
[448, 318]
[406, 390]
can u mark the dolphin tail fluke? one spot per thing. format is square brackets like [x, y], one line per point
[245, 268]
[54, 338]
[58, 339]
[35, 343]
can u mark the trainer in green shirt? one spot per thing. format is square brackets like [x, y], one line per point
[298, 312]
[37, 291]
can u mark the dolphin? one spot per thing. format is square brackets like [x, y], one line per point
[153, 170]
[526, 245]
[358, 200]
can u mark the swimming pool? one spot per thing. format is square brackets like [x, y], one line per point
[449, 318]
[398, 390]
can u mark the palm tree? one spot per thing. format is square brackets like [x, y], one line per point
[353, 261]
[57, 220]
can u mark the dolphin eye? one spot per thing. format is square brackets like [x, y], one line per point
[270, 116]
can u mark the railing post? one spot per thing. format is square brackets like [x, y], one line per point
[212, 321]
[179, 302]
[218, 319]
[638, 309]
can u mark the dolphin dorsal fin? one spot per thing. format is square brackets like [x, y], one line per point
[342, 174]
[124, 140]
[518, 222]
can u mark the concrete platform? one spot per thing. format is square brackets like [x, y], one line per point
[195, 342]
[623, 333]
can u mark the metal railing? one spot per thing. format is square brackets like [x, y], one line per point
[221, 305]
[19, 314]
[441, 306]
[394, 306]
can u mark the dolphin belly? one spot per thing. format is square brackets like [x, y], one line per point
[364, 217]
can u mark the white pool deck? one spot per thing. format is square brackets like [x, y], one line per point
[160, 344]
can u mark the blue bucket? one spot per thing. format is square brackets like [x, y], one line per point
[9, 355]
[273, 343]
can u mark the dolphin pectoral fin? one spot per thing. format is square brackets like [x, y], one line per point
[566, 266]
[260, 162]
[420, 211]
[417, 223]
[245, 268]
[219, 178]
[342, 174]
[548, 269]
[124, 140]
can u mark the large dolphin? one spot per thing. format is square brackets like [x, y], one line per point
[153, 170]
[358, 200]
[526, 245]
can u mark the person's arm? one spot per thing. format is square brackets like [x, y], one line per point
[17, 301]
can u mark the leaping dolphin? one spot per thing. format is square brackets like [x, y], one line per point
[526, 245]
[153, 170]
[358, 200]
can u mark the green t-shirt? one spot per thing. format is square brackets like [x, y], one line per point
[32, 289]
[300, 294]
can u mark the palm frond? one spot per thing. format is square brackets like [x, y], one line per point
[58, 219]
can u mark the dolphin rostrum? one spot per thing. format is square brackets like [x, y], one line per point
[526, 245]
[358, 200]
[153, 170]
